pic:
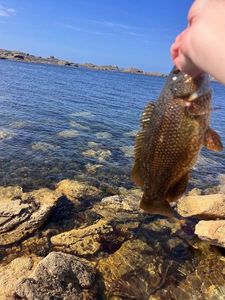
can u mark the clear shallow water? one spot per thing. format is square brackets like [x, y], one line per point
[59, 122]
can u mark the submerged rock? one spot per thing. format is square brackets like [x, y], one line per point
[100, 154]
[19, 268]
[202, 206]
[104, 135]
[82, 241]
[93, 168]
[69, 133]
[78, 126]
[22, 213]
[128, 151]
[45, 147]
[212, 231]
[132, 272]
[59, 276]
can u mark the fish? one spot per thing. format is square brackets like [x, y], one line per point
[173, 130]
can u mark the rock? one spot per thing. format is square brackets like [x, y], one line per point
[212, 231]
[120, 207]
[93, 168]
[82, 241]
[103, 135]
[69, 133]
[22, 213]
[18, 56]
[203, 206]
[19, 268]
[133, 71]
[128, 151]
[132, 272]
[59, 276]
[64, 63]
[74, 189]
[99, 154]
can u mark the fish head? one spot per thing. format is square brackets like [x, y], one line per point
[180, 85]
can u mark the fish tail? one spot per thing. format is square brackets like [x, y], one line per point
[156, 206]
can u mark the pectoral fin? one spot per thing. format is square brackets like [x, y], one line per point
[212, 140]
[156, 206]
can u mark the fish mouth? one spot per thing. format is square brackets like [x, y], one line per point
[202, 84]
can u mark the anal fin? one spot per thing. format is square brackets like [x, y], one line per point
[156, 206]
[212, 140]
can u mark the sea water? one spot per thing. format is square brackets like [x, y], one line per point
[61, 122]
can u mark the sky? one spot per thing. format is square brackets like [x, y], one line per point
[126, 33]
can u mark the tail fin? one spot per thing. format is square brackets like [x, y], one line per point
[156, 206]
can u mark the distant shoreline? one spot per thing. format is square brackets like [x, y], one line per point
[51, 60]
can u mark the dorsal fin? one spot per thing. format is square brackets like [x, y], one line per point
[146, 116]
[145, 120]
[137, 171]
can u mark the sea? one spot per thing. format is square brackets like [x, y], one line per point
[61, 122]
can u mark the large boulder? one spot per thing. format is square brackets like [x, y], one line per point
[23, 213]
[18, 268]
[59, 276]
[202, 206]
[212, 231]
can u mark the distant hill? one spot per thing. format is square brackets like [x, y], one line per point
[26, 57]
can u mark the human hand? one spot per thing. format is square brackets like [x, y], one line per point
[200, 47]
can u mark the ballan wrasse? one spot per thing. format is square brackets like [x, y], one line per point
[173, 131]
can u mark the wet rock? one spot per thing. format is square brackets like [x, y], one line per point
[78, 126]
[23, 213]
[99, 154]
[82, 241]
[206, 281]
[19, 268]
[203, 206]
[6, 134]
[45, 147]
[103, 135]
[73, 190]
[59, 276]
[132, 272]
[69, 133]
[128, 151]
[212, 231]
[120, 207]
[93, 168]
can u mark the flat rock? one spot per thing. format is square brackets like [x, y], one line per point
[212, 231]
[59, 276]
[74, 189]
[18, 268]
[202, 206]
[23, 213]
[120, 207]
[82, 241]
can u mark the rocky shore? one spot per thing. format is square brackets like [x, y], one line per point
[73, 242]
[26, 57]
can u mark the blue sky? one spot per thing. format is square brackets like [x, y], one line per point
[126, 33]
